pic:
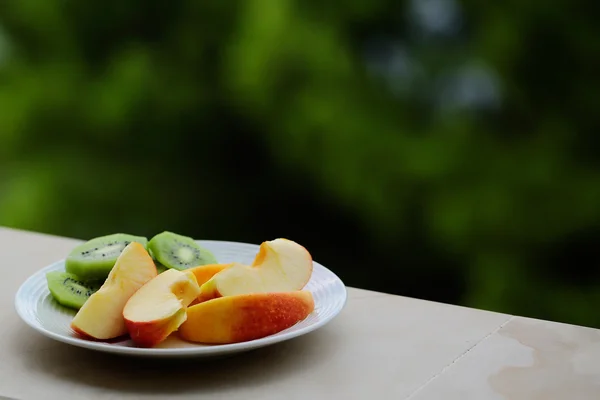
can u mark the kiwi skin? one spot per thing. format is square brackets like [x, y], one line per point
[69, 290]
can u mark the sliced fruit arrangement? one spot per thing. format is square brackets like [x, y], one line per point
[122, 284]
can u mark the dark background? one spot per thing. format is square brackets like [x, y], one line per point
[438, 149]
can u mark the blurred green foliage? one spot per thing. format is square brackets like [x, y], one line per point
[457, 139]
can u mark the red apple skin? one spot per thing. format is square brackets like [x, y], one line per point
[240, 318]
[82, 333]
[158, 308]
[145, 334]
[85, 336]
[151, 333]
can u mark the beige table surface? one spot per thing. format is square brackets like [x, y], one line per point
[380, 347]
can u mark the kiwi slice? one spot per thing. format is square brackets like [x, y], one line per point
[94, 259]
[68, 290]
[179, 252]
[160, 268]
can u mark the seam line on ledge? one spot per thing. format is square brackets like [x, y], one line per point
[443, 370]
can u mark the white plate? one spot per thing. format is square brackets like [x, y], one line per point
[37, 308]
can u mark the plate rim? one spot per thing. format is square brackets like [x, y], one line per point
[200, 351]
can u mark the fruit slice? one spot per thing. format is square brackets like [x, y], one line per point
[204, 272]
[101, 317]
[245, 317]
[68, 290]
[94, 259]
[281, 265]
[160, 268]
[159, 307]
[179, 252]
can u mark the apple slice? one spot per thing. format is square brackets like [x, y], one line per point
[101, 317]
[204, 272]
[158, 308]
[244, 317]
[281, 265]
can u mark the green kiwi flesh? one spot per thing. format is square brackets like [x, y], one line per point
[160, 268]
[179, 252]
[94, 259]
[69, 290]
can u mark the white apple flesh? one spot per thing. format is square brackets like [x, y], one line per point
[101, 317]
[158, 308]
[281, 265]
